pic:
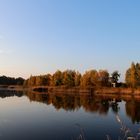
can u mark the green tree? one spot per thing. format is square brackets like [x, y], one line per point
[115, 77]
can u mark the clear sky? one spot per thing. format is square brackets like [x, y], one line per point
[41, 36]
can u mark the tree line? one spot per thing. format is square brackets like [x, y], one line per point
[72, 78]
[11, 80]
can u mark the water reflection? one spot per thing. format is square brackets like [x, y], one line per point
[132, 110]
[10, 93]
[90, 103]
[72, 102]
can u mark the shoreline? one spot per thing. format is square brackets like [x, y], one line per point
[61, 89]
[104, 93]
[92, 90]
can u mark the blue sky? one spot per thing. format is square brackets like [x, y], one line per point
[41, 36]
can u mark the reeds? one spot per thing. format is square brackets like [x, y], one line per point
[82, 134]
[126, 133]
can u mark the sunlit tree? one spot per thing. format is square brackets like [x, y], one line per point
[57, 78]
[90, 78]
[77, 79]
[132, 76]
[69, 78]
[103, 77]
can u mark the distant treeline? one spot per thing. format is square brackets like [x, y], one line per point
[71, 78]
[11, 81]
[94, 78]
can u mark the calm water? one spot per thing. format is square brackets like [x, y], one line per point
[61, 117]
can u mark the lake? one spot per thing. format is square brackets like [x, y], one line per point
[30, 116]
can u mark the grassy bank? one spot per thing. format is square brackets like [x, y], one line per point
[122, 91]
[77, 90]
[11, 87]
[88, 90]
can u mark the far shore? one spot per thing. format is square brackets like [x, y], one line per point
[12, 87]
[89, 90]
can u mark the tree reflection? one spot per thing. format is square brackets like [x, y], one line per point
[132, 110]
[10, 93]
[73, 102]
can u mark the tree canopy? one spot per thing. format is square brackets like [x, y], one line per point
[132, 76]
[11, 81]
[71, 78]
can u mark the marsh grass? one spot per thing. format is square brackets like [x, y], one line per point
[81, 136]
[125, 132]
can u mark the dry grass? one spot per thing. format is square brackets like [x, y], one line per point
[126, 133]
[121, 91]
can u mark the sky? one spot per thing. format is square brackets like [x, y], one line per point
[42, 36]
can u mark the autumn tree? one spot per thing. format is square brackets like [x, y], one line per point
[69, 78]
[57, 78]
[127, 77]
[46, 79]
[31, 81]
[89, 78]
[103, 77]
[132, 76]
[39, 81]
[138, 74]
[77, 79]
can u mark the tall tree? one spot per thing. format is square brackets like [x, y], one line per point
[132, 76]
[57, 78]
[69, 78]
[115, 77]
[128, 77]
[90, 78]
[138, 73]
[77, 79]
[103, 77]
